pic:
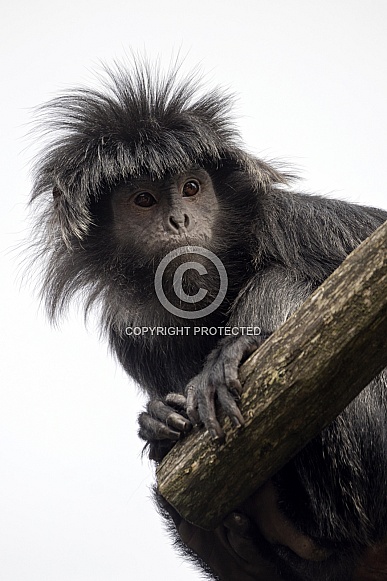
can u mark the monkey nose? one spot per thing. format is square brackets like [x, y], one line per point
[178, 224]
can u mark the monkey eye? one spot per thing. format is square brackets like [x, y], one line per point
[190, 188]
[145, 200]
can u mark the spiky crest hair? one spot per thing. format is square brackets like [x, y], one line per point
[142, 122]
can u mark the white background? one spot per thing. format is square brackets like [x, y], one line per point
[311, 80]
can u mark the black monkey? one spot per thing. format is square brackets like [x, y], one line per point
[147, 167]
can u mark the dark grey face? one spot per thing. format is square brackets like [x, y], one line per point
[181, 209]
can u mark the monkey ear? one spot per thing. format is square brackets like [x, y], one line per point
[72, 216]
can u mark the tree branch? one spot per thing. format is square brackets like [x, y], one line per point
[301, 378]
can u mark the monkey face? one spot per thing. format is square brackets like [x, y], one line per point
[160, 215]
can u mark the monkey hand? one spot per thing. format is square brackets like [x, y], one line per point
[163, 423]
[230, 550]
[219, 382]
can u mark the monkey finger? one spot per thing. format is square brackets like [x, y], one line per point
[243, 546]
[176, 400]
[229, 406]
[231, 376]
[237, 522]
[235, 388]
[192, 404]
[175, 420]
[153, 429]
[207, 413]
[158, 410]
[237, 526]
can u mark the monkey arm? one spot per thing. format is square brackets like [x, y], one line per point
[266, 302]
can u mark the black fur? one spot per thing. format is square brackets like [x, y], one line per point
[277, 245]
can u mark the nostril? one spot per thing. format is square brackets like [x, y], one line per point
[186, 221]
[174, 223]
